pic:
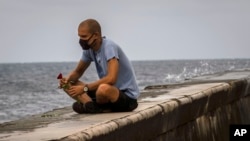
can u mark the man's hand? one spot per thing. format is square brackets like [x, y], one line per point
[63, 83]
[74, 91]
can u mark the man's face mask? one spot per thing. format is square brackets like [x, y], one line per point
[84, 43]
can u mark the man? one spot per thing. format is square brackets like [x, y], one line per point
[116, 90]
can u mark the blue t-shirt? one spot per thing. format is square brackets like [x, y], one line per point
[126, 80]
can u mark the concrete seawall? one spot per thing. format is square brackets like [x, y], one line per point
[197, 109]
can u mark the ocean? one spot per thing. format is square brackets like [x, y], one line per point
[31, 88]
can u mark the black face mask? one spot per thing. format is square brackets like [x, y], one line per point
[84, 43]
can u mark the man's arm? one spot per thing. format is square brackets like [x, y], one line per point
[110, 78]
[78, 71]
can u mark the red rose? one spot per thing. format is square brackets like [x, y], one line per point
[60, 76]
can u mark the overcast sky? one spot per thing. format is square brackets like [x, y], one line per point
[46, 30]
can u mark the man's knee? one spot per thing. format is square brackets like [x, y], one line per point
[107, 92]
[103, 90]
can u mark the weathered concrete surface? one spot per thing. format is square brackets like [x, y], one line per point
[198, 109]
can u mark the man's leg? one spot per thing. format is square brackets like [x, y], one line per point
[106, 94]
[117, 99]
[101, 104]
[82, 98]
[84, 102]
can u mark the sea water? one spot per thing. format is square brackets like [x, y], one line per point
[31, 88]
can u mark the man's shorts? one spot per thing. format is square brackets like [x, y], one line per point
[123, 104]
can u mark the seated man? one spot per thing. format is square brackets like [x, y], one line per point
[116, 90]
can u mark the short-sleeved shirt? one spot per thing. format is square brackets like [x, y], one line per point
[126, 80]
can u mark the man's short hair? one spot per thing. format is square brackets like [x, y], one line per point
[93, 25]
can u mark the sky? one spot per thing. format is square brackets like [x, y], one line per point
[46, 30]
